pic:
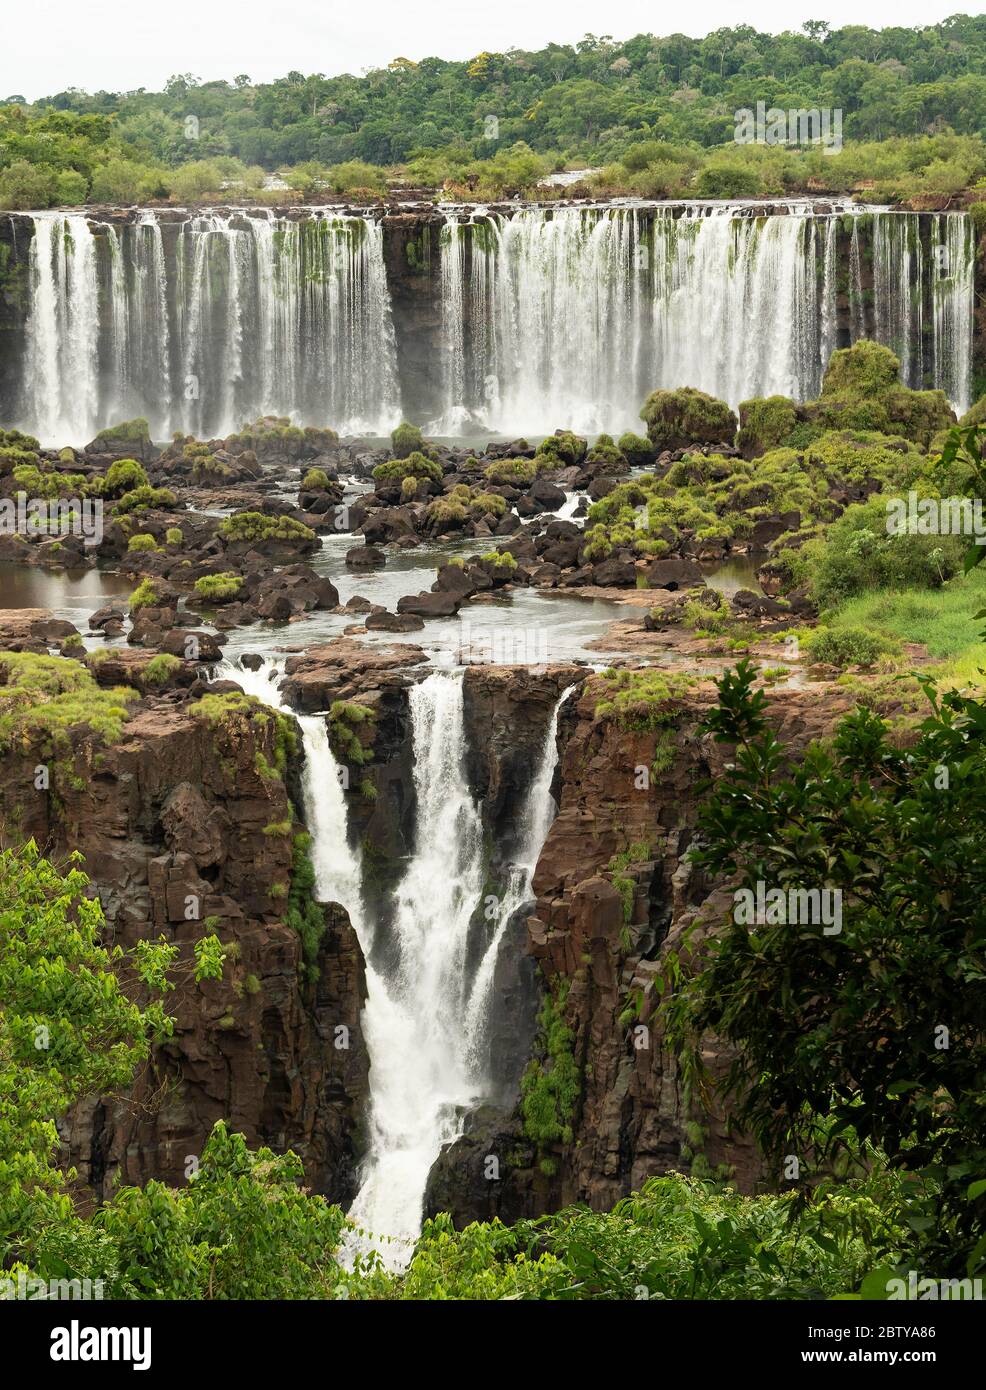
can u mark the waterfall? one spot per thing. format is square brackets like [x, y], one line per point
[545, 317]
[424, 1022]
[338, 872]
[249, 314]
[535, 822]
[574, 314]
[61, 366]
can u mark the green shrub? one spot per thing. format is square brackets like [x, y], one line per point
[315, 480]
[173, 535]
[413, 465]
[144, 596]
[256, 528]
[844, 646]
[123, 476]
[161, 668]
[676, 419]
[142, 541]
[144, 498]
[765, 423]
[218, 588]
[406, 440]
[635, 449]
[562, 448]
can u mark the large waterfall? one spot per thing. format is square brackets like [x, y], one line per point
[529, 320]
[570, 317]
[427, 1004]
[237, 316]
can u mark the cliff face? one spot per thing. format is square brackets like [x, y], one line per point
[176, 818]
[625, 793]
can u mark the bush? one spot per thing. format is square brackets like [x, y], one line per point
[513, 471]
[635, 449]
[676, 419]
[141, 499]
[857, 553]
[218, 588]
[765, 423]
[144, 596]
[142, 541]
[413, 465]
[844, 646]
[315, 480]
[123, 476]
[406, 439]
[563, 448]
[256, 528]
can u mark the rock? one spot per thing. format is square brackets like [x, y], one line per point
[546, 496]
[365, 557]
[673, 572]
[393, 622]
[430, 605]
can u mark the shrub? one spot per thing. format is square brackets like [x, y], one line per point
[218, 588]
[160, 668]
[562, 448]
[635, 449]
[142, 499]
[255, 527]
[315, 480]
[676, 419]
[487, 504]
[765, 423]
[844, 646]
[407, 439]
[142, 541]
[173, 535]
[516, 471]
[413, 465]
[144, 596]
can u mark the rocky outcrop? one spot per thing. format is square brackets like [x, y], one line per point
[185, 827]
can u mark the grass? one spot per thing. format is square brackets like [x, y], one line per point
[942, 619]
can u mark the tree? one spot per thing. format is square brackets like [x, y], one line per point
[873, 1032]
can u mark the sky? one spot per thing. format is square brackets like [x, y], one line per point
[105, 44]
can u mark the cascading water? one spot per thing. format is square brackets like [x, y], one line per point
[245, 315]
[425, 1023]
[574, 314]
[547, 316]
[426, 1012]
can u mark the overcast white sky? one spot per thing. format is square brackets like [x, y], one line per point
[52, 44]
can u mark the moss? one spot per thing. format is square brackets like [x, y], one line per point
[862, 390]
[303, 913]
[367, 790]
[278, 827]
[123, 476]
[345, 717]
[487, 504]
[161, 668]
[143, 540]
[501, 559]
[765, 423]
[142, 499]
[562, 448]
[144, 596]
[676, 419]
[514, 471]
[624, 882]
[46, 698]
[173, 535]
[218, 588]
[635, 449]
[127, 431]
[642, 700]
[406, 439]
[256, 528]
[413, 465]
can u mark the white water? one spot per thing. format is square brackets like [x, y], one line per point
[250, 315]
[425, 1016]
[576, 313]
[548, 317]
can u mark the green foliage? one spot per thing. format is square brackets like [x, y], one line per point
[676, 419]
[345, 717]
[144, 596]
[161, 668]
[123, 476]
[561, 449]
[844, 646]
[551, 1086]
[647, 699]
[501, 559]
[765, 424]
[837, 1036]
[173, 535]
[143, 540]
[218, 588]
[407, 439]
[861, 390]
[857, 554]
[44, 699]
[255, 528]
[517, 472]
[315, 480]
[412, 465]
[142, 499]
[635, 449]
[303, 912]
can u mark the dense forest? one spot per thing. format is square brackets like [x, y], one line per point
[656, 115]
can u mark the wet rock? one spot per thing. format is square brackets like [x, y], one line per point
[430, 605]
[393, 622]
[673, 573]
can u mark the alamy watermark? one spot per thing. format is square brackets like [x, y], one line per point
[815, 125]
[936, 516]
[27, 1288]
[776, 907]
[22, 515]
